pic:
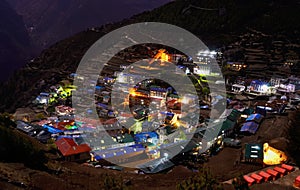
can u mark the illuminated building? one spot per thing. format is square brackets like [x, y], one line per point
[259, 86]
[202, 69]
[238, 88]
[273, 156]
[157, 92]
[253, 153]
[236, 66]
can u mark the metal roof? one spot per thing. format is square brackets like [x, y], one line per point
[68, 147]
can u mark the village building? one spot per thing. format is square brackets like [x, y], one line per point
[238, 88]
[253, 153]
[71, 151]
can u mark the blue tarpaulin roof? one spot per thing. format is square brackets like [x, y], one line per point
[140, 137]
[255, 117]
[250, 127]
[52, 129]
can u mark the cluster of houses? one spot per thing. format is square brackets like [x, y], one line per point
[154, 134]
[275, 86]
[76, 139]
[256, 52]
[61, 91]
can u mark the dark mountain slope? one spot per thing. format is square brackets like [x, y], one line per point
[216, 17]
[53, 65]
[52, 20]
[14, 40]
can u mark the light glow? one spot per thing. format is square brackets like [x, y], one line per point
[273, 156]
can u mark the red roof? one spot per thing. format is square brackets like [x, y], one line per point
[264, 174]
[258, 178]
[297, 179]
[297, 182]
[272, 172]
[68, 147]
[280, 170]
[249, 179]
[287, 167]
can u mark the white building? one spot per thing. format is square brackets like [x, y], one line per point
[237, 88]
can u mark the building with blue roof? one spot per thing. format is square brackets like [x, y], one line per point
[250, 127]
[146, 137]
[52, 129]
[255, 117]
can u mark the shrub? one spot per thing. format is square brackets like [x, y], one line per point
[202, 180]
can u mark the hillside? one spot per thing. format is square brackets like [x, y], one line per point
[218, 23]
[49, 21]
[14, 40]
[212, 19]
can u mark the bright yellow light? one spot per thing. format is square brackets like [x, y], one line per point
[132, 92]
[273, 156]
[164, 57]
